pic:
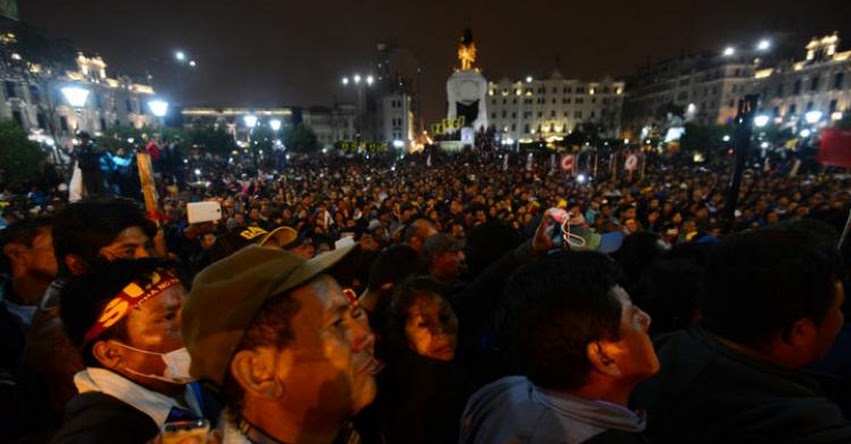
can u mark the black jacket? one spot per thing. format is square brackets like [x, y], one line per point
[706, 392]
[93, 418]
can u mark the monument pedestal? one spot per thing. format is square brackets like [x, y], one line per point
[466, 92]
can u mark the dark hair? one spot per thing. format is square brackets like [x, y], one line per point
[759, 283]
[488, 242]
[272, 327]
[393, 265]
[84, 227]
[84, 298]
[23, 232]
[555, 306]
[404, 296]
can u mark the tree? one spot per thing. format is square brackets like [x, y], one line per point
[301, 139]
[845, 121]
[215, 140]
[21, 160]
[701, 138]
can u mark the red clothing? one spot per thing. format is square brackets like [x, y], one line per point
[154, 151]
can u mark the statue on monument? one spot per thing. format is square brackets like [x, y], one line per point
[467, 50]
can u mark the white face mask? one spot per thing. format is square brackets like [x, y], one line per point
[176, 365]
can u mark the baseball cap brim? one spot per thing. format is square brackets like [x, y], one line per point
[284, 235]
[604, 243]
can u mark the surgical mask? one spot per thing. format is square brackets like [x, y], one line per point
[176, 365]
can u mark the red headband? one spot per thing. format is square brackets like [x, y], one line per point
[130, 297]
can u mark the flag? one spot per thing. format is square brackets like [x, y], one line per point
[552, 162]
[505, 162]
[530, 162]
[835, 148]
[567, 161]
[428, 161]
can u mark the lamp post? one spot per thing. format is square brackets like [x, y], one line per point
[250, 122]
[77, 97]
[360, 84]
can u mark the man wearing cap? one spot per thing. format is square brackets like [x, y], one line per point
[125, 318]
[232, 242]
[277, 334]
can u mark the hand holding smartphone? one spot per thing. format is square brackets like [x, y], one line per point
[185, 432]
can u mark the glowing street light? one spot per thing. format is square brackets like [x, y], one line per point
[761, 120]
[805, 133]
[528, 79]
[728, 51]
[357, 79]
[763, 45]
[75, 95]
[159, 108]
[812, 117]
[192, 63]
[369, 80]
[180, 56]
[726, 138]
[345, 81]
[275, 124]
[250, 120]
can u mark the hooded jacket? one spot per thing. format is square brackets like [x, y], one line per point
[514, 410]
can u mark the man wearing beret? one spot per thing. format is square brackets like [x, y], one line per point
[275, 332]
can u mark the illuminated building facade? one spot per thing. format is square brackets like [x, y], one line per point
[820, 82]
[554, 107]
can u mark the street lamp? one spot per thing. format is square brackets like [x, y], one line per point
[528, 79]
[251, 121]
[728, 51]
[370, 80]
[192, 63]
[763, 45]
[761, 120]
[812, 117]
[77, 97]
[345, 81]
[275, 124]
[159, 108]
[357, 79]
[180, 56]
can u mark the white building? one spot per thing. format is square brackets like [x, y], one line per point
[704, 88]
[819, 82]
[554, 107]
[32, 95]
[397, 120]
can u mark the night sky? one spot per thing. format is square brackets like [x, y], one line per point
[277, 52]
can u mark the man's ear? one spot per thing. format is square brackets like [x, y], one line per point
[600, 355]
[76, 264]
[802, 333]
[260, 372]
[108, 355]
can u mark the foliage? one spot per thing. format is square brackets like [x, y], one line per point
[21, 160]
[845, 121]
[702, 138]
[301, 139]
[214, 140]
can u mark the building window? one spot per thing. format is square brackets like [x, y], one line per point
[593, 100]
[792, 109]
[42, 121]
[814, 84]
[10, 89]
[838, 79]
[796, 88]
[35, 94]
[554, 101]
[565, 114]
[776, 111]
[552, 113]
[779, 92]
[592, 114]
[18, 116]
[493, 115]
[579, 100]
[513, 115]
[493, 101]
[63, 123]
[832, 108]
[504, 114]
[732, 104]
[513, 127]
[526, 128]
[809, 106]
[514, 101]
[504, 101]
[129, 105]
[102, 124]
[540, 114]
[577, 114]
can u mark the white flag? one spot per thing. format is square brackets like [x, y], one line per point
[428, 161]
[552, 162]
[530, 162]
[505, 162]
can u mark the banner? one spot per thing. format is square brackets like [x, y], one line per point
[530, 162]
[631, 163]
[835, 148]
[567, 162]
[505, 162]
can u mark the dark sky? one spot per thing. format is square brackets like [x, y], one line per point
[281, 52]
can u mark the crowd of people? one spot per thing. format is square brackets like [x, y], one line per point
[477, 297]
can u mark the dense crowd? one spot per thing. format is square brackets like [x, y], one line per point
[481, 297]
